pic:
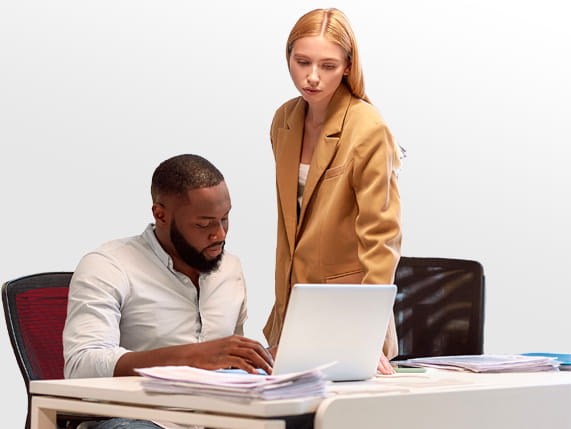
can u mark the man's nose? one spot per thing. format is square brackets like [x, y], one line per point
[218, 233]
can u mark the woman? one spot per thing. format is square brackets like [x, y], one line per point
[336, 172]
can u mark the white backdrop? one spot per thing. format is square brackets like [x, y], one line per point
[94, 94]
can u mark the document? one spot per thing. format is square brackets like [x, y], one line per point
[487, 363]
[232, 385]
[563, 359]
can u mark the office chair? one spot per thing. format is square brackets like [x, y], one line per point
[439, 307]
[35, 308]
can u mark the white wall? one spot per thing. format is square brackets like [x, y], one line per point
[94, 94]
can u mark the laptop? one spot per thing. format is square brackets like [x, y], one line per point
[343, 324]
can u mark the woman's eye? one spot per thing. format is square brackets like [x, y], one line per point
[201, 226]
[329, 67]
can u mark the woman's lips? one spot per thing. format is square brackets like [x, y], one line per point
[311, 91]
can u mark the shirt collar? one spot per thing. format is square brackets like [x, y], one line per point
[153, 242]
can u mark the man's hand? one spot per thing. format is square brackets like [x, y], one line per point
[230, 352]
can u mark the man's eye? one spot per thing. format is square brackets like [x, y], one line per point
[201, 226]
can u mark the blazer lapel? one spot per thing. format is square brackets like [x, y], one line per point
[327, 146]
[287, 166]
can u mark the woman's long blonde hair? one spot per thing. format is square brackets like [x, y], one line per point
[335, 27]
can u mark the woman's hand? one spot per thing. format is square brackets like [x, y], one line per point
[384, 366]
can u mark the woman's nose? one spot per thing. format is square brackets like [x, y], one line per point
[313, 76]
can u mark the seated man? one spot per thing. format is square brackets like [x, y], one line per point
[170, 296]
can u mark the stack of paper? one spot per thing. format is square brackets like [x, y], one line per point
[487, 363]
[239, 386]
[563, 359]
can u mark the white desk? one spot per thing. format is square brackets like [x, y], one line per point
[450, 400]
[435, 399]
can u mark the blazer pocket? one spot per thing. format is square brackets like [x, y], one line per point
[333, 172]
[353, 277]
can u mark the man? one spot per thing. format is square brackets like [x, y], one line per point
[170, 296]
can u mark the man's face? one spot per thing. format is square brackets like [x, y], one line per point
[199, 225]
[192, 256]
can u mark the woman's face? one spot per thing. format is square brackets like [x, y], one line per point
[317, 67]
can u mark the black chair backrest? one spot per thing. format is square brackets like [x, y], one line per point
[439, 308]
[35, 308]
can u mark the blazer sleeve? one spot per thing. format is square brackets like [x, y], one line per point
[376, 191]
[378, 224]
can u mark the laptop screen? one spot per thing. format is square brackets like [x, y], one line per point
[344, 324]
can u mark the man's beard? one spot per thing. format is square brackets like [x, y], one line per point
[192, 256]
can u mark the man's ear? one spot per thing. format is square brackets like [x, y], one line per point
[159, 213]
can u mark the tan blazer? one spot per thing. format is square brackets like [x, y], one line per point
[348, 228]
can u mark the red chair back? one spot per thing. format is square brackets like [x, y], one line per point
[41, 318]
[35, 309]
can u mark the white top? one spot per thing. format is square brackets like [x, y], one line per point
[126, 296]
[302, 179]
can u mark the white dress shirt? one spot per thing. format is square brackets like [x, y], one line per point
[126, 296]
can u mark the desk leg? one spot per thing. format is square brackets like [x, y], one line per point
[42, 417]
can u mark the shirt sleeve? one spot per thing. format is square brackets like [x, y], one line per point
[91, 335]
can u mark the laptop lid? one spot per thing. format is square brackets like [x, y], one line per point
[341, 323]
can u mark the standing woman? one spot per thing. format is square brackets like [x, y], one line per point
[336, 173]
